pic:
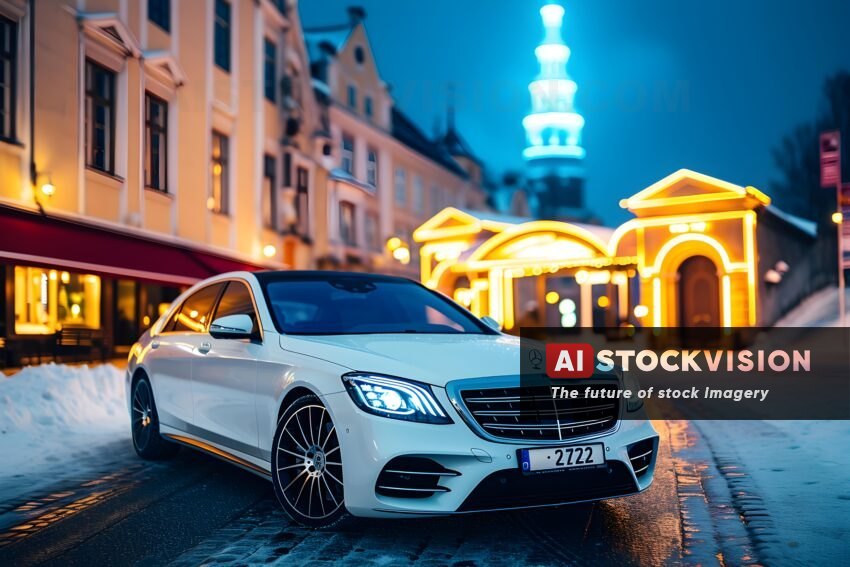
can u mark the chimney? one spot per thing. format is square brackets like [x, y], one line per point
[356, 14]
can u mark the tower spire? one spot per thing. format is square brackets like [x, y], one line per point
[553, 128]
[553, 151]
[450, 108]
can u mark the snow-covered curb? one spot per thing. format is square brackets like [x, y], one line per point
[51, 415]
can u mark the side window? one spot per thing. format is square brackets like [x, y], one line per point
[237, 301]
[193, 315]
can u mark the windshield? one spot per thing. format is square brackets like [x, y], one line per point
[346, 305]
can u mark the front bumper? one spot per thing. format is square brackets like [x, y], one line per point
[489, 477]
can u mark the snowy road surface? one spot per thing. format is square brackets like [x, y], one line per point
[194, 509]
[73, 492]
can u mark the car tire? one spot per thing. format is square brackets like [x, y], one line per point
[307, 465]
[144, 423]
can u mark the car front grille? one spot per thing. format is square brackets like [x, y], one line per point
[531, 414]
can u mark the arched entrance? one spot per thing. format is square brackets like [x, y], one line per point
[699, 293]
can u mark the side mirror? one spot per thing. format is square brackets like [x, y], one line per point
[232, 327]
[492, 323]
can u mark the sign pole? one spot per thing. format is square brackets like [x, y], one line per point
[830, 174]
[840, 227]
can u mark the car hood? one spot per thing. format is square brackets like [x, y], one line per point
[435, 359]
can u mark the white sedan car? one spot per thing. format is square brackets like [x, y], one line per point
[371, 395]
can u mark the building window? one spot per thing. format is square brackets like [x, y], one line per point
[367, 107]
[359, 55]
[47, 301]
[8, 77]
[372, 167]
[270, 69]
[287, 169]
[436, 199]
[400, 186]
[352, 97]
[218, 199]
[269, 196]
[156, 142]
[222, 34]
[418, 193]
[347, 230]
[100, 117]
[302, 201]
[370, 228]
[347, 154]
[159, 12]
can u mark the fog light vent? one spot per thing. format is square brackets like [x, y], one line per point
[640, 455]
[412, 477]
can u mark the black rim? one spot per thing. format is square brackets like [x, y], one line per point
[309, 464]
[142, 415]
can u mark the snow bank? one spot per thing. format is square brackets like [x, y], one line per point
[53, 414]
[42, 399]
[817, 310]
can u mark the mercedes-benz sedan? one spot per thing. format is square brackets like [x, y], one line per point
[371, 395]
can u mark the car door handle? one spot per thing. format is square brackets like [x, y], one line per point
[154, 344]
[204, 348]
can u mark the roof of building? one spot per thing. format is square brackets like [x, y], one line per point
[407, 132]
[804, 225]
[327, 37]
[324, 42]
[456, 146]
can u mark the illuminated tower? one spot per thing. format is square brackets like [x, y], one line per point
[553, 129]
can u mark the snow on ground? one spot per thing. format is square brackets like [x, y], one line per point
[52, 416]
[799, 469]
[818, 310]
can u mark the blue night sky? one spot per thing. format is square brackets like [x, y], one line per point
[663, 84]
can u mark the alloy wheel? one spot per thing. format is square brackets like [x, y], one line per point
[308, 464]
[142, 415]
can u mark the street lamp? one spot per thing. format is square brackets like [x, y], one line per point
[399, 249]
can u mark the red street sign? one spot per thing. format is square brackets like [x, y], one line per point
[830, 159]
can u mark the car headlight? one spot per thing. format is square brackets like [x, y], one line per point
[394, 397]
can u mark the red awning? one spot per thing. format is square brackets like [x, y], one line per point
[27, 237]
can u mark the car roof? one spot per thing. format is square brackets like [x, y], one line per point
[326, 275]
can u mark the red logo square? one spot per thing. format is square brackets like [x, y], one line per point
[569, 360]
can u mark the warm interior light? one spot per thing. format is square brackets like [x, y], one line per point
[641, 311]
[269, 251]
[48, 189]
[603, 302]
[552, 297]
[65, 277]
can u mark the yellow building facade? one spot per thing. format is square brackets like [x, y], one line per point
[690, 257]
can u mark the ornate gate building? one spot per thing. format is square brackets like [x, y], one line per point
[699, 252]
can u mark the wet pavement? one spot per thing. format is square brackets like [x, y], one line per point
[195, 510]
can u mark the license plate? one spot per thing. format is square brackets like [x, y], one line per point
[551, 458]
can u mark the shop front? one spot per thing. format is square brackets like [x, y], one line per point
[78, 290]
[700, 252]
